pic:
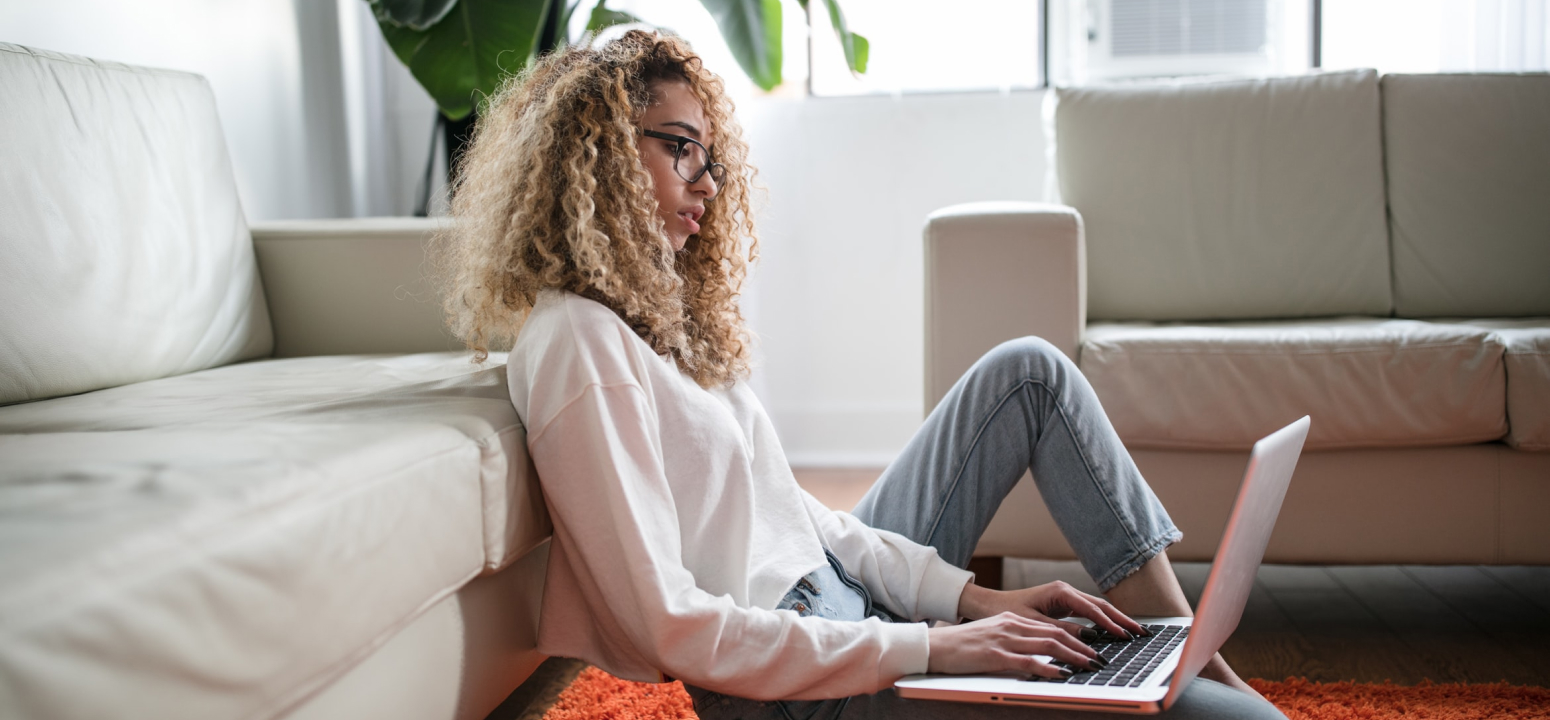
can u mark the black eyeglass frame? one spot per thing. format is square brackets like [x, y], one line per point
[718, 172]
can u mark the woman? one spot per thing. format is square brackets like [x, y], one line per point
[601, 219]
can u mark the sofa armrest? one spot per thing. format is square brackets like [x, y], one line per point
[352, 286]
[997, 271]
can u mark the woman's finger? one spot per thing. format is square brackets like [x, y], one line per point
[1081, 606]
[1080, 632]
[1117, 617]
[1029, 665]
[1047, 634]
[1077, 630]
[1058, 650]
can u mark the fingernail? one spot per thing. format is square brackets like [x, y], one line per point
[1145, 632]
[1089, 634]
[1097, 663]
[1066, 672]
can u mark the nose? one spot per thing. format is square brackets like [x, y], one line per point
[704, 187]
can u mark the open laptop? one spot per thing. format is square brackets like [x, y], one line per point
[1147, 675]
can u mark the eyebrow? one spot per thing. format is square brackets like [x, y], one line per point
[692, 130]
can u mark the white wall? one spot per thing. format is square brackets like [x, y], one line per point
[275, 69]
[838, 297]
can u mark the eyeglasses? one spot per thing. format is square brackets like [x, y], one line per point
[690, 159]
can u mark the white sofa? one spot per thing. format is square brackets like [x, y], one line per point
[1227, 256]
[235, 484]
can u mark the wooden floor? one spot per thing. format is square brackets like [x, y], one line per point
[1365, 623]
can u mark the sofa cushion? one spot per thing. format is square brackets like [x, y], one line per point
[226, 541]
[442, 389]
[1241, 199]
[125, 250]
[220, 570]
[1366, 382]
[1528, 378]
[1468, 180]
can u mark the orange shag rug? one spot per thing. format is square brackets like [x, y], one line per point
[596, 695]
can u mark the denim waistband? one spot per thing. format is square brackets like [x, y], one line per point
[830, 592]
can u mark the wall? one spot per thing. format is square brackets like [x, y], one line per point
[837, 299]
[276, 70]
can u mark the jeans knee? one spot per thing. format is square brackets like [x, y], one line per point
[1210, 700]
[1028, 356]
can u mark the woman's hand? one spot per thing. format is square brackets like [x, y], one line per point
[1009, 628]
[1007, 642]
[1049, 603]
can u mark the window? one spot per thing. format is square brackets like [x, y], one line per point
[931, 46]
[1103, 40]
[1003, 44]
[1427, 36]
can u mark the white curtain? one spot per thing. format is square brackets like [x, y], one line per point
[388, 121]
[1494, 36]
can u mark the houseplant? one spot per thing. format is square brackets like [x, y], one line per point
[461, 50]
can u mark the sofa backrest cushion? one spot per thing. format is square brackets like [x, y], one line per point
[1236, 199]
[1469, 193]
[126, 253]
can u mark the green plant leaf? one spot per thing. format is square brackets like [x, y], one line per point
[856, 47]
[752, 31]
[603, 18]
[464, 58]
[412, 14]
[565, 19]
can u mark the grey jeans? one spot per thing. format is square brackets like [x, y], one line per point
[1023, 405]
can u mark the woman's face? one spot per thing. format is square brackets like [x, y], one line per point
[680, 203]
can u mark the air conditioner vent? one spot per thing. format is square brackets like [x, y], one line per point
[1186, 27]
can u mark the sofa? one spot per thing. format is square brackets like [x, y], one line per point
[1221, 257]
[243, 473]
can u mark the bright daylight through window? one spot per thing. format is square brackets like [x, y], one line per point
[1428, 36]
[931, 46]
[1000, 44]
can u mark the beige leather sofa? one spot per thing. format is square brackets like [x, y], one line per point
[234, 484]
[1228, 256]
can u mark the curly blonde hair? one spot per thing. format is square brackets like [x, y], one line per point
[552, 194]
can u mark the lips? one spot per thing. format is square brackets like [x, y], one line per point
[691, 218]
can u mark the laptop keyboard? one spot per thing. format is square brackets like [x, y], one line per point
[1130, 661]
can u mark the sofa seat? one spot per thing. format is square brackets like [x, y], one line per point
[229, 541]
[1368, 382]
[441, 389]
[1528, 378]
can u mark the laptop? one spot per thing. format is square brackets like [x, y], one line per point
[1147, 675]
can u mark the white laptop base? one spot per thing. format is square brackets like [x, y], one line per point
[1221, 605]
[1144, 698]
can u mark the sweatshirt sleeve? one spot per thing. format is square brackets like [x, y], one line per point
[599, 460]
[908, 578]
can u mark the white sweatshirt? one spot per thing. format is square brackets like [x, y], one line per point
[678, 527]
